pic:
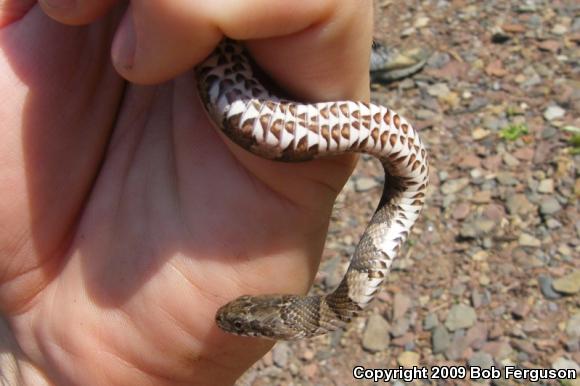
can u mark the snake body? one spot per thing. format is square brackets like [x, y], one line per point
[280, 129]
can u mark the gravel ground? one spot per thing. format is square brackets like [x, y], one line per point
[491, 273]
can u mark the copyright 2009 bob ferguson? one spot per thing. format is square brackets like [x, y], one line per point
[462, 372]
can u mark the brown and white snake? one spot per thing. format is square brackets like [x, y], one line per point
[284, 130]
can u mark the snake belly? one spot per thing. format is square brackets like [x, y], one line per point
[280, 129]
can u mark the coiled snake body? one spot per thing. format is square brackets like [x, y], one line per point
[280, 129]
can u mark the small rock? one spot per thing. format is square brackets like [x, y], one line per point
[376, 334]
[460, 316]
[498, 350]
[438, 90]
[469, 161]
[400, 327]
[310, 370]
[480, 133]
[565, 364]
[559, 29]
[280, 354]
[333, 275]
[506, 179]
[495, 331]
[527, 240]
[440, 339]
[524, 154]
[481, 359]
[546, 186]
[545, 283]
[573, 326]
[454, 186]
[572, 345]
[484, 280]
[569, 284]
[407, 341]
[554, 112]
[495, 68]
[510, 160]
[481, 197]
[422, 21]
[461, 211]
[364, 184]
[431, 321]
[550, 205]
[458, 348]
[476, 299]
[484, 226]
[476, 336]
[550, 45]
[480, 256]
[401, 304]
[408, 359]
[307, 355]
[519, 204]
[521, 311]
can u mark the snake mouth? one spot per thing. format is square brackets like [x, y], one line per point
[258, 316]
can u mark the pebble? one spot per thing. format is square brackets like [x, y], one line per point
[476, 336]
[461, 211]
[438, 90]
[559, 29]
[408, 359]
[481, 359]
[480, 133]
[506, 179]
[572, 345]
[460, 316]
[521, 311]
[519, 204]
[545, 283]
[527, 240]
[310, 370]
[333, 273]
[554, 112]
[422, 21]
[280, 354]
[365, 184]
[573, 326]
[550, 205]
[563, 363]
[401, 304]
[440, 339]
[498, 350]
[510, 160]
[546, 186]
[400, 327]
[376, 334]
[569, 284]
[430, 322]
[454, 186]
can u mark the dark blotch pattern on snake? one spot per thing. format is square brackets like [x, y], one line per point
[280, 129]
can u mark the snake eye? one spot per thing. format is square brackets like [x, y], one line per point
[238, 325]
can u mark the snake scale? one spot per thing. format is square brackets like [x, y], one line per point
[280, 129]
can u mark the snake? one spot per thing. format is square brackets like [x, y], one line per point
[275, 127]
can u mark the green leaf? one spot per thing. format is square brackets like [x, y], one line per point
[513, 131]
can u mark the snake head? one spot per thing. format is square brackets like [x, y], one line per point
[266, 316]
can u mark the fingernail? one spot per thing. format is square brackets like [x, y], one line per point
[60, 4]
[123, 50]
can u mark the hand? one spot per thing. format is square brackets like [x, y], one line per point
[126, 219]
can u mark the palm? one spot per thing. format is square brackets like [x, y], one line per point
[132, 220]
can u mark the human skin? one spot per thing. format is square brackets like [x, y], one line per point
[126, 219]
